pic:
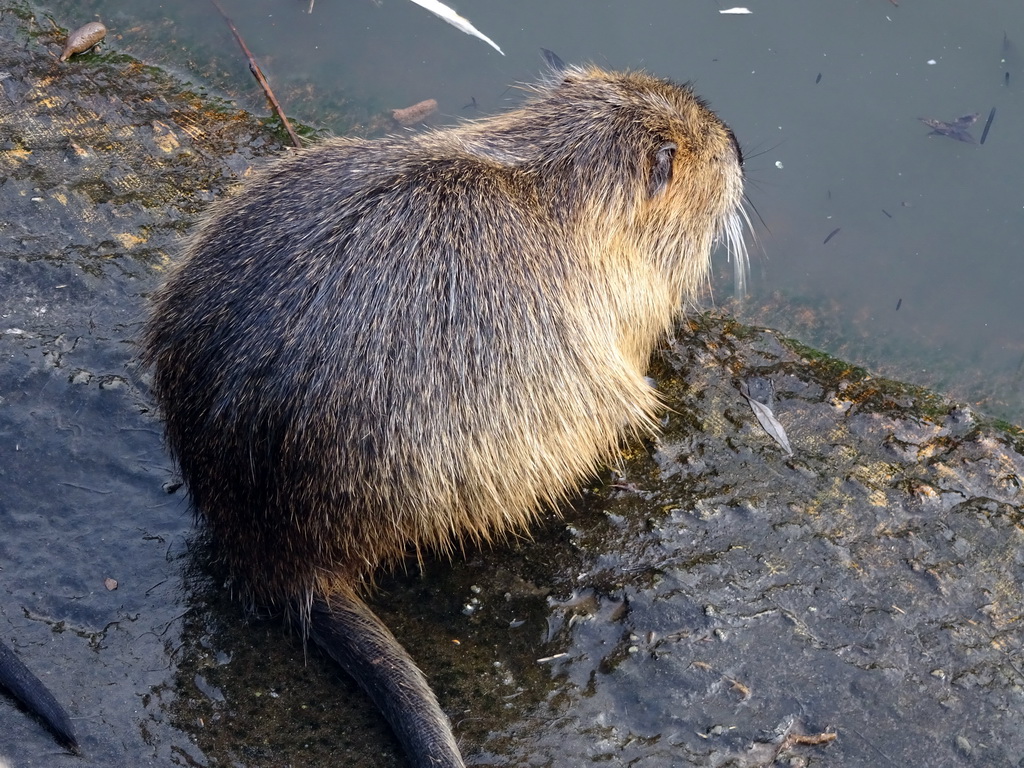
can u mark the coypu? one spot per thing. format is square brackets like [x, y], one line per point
[388, 347]
[28, 689]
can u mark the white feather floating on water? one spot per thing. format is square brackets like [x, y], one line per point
[459, 22]
[732, 11]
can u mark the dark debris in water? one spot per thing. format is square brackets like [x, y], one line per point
[955, 129]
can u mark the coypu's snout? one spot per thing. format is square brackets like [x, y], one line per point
[735, 220]
[736, 146]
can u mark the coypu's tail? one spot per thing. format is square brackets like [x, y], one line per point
[346, 628]
[37, 699]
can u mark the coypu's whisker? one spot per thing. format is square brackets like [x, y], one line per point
[750, 204]
[736, 247]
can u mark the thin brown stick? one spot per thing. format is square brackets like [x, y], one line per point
[258, 74]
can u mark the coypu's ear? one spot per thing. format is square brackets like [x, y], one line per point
[554, 61]
[661, 170]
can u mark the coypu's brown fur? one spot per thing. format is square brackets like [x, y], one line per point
[387, 347]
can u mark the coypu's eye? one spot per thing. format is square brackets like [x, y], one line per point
[661, 173]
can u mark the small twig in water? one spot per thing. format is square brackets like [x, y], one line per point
[258, 74]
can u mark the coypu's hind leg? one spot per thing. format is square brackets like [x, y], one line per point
[345, 627]
[36, 697]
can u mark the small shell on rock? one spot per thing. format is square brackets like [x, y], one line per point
[83, 38]
[417, 113]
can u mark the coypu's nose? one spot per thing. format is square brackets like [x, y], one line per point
[735, 145]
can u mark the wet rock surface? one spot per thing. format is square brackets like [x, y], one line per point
[869, 586]
[710, 601]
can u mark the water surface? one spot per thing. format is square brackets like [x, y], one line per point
[922, 281]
